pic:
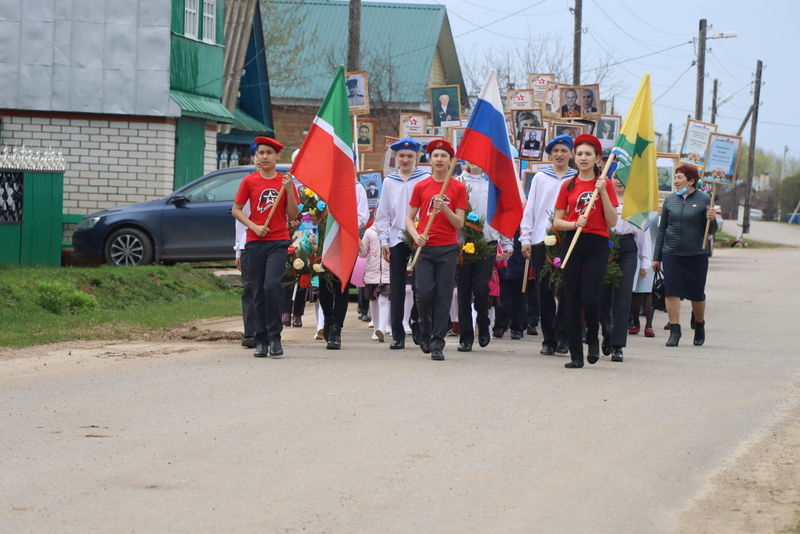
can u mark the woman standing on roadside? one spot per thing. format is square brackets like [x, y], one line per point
[584, 273]
[680, 254]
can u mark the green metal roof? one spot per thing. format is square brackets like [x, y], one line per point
[204, 107]
[403, 35]
[244, 122]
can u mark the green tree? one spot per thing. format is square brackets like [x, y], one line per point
[790, 194]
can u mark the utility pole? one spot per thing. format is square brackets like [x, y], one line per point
[701, 70]
[752, 157]
[354, 36]
[714, 102]
[576, 47]
[669, 139]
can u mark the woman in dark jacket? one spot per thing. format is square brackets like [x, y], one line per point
[679, 251]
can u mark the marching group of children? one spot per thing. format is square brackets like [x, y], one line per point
[421, 218]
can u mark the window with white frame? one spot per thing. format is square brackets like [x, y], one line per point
[210, 20]
[190, 18]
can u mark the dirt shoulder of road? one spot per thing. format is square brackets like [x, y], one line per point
[759, 491]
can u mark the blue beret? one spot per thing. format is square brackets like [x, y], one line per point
[564, 139]
[253, 148]
[405, 144]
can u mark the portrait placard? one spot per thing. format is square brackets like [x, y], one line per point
[537, 81]
[722, 158]
[590, 101]
[525, 118]
[412, 124]
[665, 171]
[607, 129]
[551, 101]
[588, 126]
[532, 142]
[569, 105]
[520, 99]
[572, 129]
[445, 105]
[357, 92]
[389, 161]
[695, 142]
[530, 171]
[373, 185]
[365, 135]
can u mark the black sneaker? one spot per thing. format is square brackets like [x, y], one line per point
[547, 349]
[532, 330]
[616, 354]
[515, 334]
[275, 349]
[436, 354]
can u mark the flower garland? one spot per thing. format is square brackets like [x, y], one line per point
[475, 246]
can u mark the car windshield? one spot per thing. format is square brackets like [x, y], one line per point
[220, 188]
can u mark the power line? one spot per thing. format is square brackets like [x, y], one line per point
[642, 56]
[620, 28]
[673, 83]
[640, 19]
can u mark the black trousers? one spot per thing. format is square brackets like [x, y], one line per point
[511, 314]
[333, 302]
[583, 284]
[398, 263]
[434, 278]
[296, 306]
[248, 311]
[615, 305]
[554, 329]
[266, 261]
[532, 302]
[473, 281]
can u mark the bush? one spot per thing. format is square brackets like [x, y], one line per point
[60, 298]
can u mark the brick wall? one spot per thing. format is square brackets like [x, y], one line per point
[109, 162]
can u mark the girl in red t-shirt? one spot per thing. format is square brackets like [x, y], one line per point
[435, 271]
[584, 273]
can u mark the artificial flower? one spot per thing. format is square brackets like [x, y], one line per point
[557, 263]
[318, 268]
[469, 248]
[610, 244]
[309, 192]
[550, 240]
[300, 207]
[291, 249]
[473, 217]
[298, 264]
[304, 281]
[321, 205]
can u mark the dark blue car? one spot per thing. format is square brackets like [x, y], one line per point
[192, 224]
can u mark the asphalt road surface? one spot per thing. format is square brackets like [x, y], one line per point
[202, 437]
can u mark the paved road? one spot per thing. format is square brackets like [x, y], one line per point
[177, 437]
[774, 232]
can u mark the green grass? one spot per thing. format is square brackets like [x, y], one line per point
[792, 529]
[46, 304]
[724, 240]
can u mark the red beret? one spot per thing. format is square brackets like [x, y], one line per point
[592, 140]
[441, 144]
[262, 140]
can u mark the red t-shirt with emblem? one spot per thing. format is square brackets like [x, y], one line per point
[574, 203]
[262, 194]
[442, 232]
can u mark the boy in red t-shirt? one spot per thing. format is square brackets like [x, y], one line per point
[436, 268]
[264, 256]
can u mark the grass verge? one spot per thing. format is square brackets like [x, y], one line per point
[47, 304]
[727, 240]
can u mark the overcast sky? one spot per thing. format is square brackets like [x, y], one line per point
[766, 30]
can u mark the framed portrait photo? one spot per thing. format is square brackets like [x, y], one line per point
[520, 99]
[357, 92]
[373, 185]
[695, 142]
[572, 129]
[530, 171]
[551, 101]
[445, 105]
[722, 159]
[607, 129]
[537, 82]
[665, 170]
[532, 142]
[423, 141]
[412, 124]
[590, 101]
[525, 118]
[365, 135]
[588, 126]
[569, 104]
[389, 160]
[456, 134]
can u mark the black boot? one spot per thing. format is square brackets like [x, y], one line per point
[334, 339]
[674, 335]
[699, 333]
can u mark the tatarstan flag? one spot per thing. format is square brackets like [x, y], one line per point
[635, 150]
[325, 164]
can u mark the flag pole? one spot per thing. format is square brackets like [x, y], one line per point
[588, 211]
[525, 274]
[708, 221]
[430, 219]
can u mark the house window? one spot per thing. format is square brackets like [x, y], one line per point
[210, 20]
[190, 18]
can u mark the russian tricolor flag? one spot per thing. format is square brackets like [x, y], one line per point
[485, 143]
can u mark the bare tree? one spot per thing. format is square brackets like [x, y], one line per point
[284, 42]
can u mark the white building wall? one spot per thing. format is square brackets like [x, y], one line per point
[210, 153]
[109, 162]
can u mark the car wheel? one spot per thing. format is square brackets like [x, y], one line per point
[128, 247]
